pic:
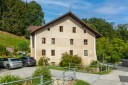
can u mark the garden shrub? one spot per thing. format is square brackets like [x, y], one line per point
[43, 61]
[66, 59]
[10, 78]
[45, 72]
[94, 63]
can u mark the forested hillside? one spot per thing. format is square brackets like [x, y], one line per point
[114, 45]
[16, 16]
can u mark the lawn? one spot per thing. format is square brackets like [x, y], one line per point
[7, 39]
[80, 82]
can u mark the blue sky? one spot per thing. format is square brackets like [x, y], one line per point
[112, 10]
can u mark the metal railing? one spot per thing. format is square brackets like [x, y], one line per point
[28, 80]
[63, 79]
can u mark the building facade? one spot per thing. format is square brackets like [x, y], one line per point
[64, 34]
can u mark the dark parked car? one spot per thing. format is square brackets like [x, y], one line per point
[10, 63]
[28, 61]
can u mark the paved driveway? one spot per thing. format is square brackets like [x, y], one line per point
[94, 79]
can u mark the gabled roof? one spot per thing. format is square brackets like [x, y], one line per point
[33, 29]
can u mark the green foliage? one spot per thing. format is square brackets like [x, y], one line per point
[10, 78]
[8, 40]
[122, 31]
[2, 50]
[111, 50]
[43, 61]
[23, 46]
[45, 72]
[66, 59]
[102, 26]
[80, 82]
[114, 45]
[17, 16]
[58, 68]
[94, 63]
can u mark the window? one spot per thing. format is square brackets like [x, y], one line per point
[84, 31]
[53, 41]
[52, 52]
[71, 52]
[61, 28]
[48, 29]
[43, 41]
[71, 41]
[85, 52]
[43, 52]
[74, 30]
[33, 41]
[85, 41]
[53, 63]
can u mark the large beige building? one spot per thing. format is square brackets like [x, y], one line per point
[64, 34]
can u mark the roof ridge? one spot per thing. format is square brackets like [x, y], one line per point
[71, 15]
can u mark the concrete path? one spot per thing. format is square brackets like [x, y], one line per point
[113, 77]
[93, 79]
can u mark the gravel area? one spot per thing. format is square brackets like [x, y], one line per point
[93, 79]
[22, 72]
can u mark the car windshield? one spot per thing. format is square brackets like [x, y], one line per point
[31, 58]
[14, 59]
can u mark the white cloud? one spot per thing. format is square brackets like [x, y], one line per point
[110, 9]
[53, 13]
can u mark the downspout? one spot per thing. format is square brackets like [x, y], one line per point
[95, 47]
[35, 46]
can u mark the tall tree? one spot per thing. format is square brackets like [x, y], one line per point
[102, 26]
[122, 30]
[20, 15]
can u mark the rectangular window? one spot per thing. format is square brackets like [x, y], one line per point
[61, 28]
[43, 40]
[71, 52]
[85, 52]
[71, 41]
[43, 52]
[85, 41]
[74, 29]
[53, 41]
[52, 52]
[84, 31]
[48, 29]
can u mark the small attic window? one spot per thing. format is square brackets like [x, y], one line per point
[84, 31]
[48, 29]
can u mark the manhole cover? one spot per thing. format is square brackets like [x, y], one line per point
[123, 78]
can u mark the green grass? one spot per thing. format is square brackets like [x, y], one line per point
[7, 39]
[80, 82]
[57, 68]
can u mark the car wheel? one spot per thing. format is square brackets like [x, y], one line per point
[8, 67]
